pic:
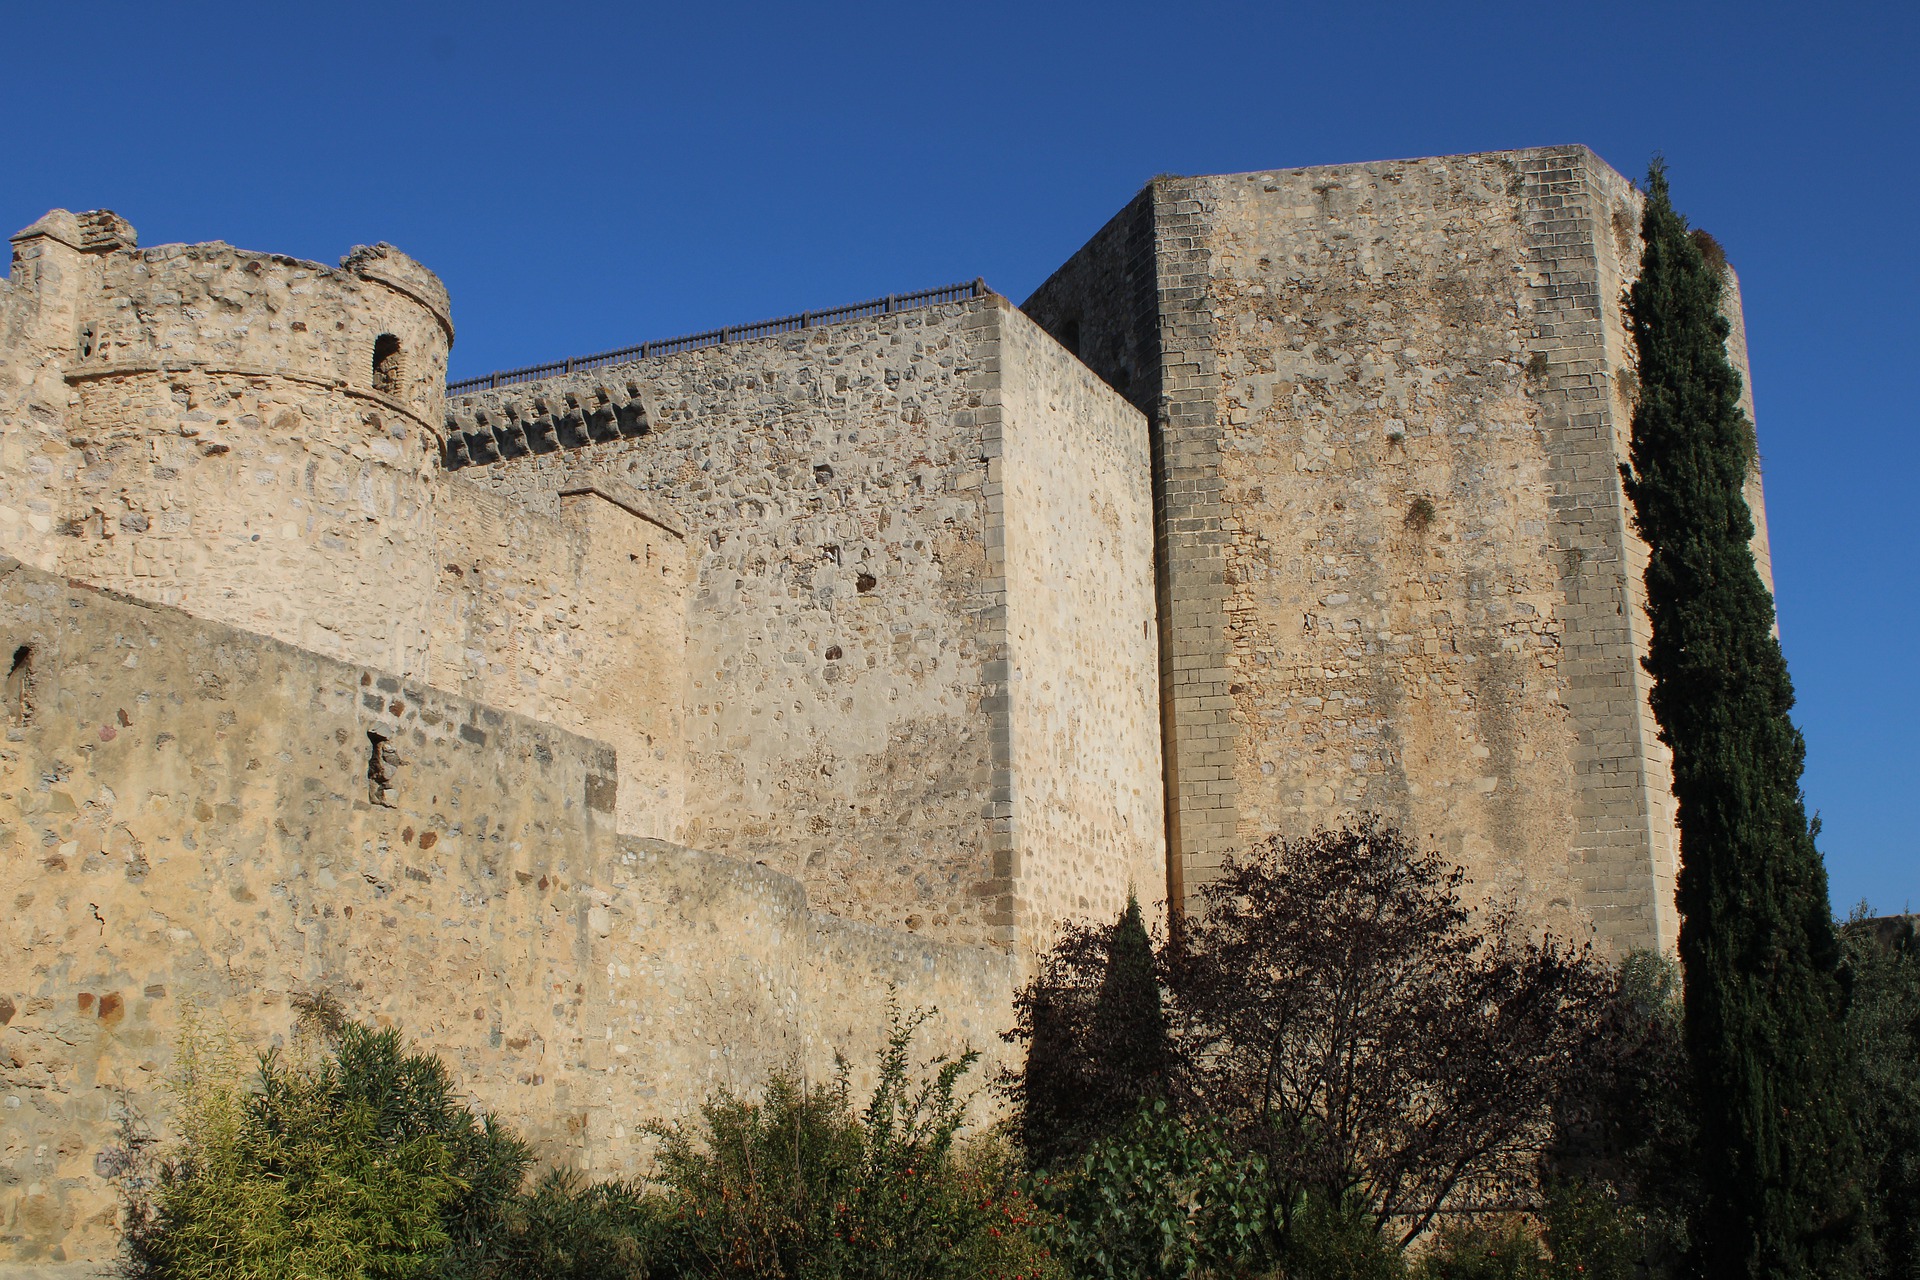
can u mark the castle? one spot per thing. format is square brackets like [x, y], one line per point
[627, 727]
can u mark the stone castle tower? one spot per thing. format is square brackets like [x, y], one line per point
[1395, 565]
[626, 727]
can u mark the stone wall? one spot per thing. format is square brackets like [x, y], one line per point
[578, 619]
[1083, 696]
[256, 440]
[1397, 571]
[207, 428]
[190, 813]
[1393, 600]
[845, 494]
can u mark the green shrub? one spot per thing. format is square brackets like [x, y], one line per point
[799, 1184]
[347, 1165]
[1594, 1235]
[1157, 1199]
[1498, 1248]
[356, 1160]
[1883, 1034]
[569, 1229]
[1338, 1242]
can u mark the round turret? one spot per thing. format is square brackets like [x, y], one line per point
[255, 439]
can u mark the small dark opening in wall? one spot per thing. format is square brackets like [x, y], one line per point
[1070, 335]
[386, 364]
[20, 686]
[383, 764]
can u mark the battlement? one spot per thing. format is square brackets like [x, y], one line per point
[379, 326]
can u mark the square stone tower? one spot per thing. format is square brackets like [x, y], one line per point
[1396, 568]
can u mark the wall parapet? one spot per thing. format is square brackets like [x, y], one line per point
[887, 305]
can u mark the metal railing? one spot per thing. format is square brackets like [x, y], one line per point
[730, 333]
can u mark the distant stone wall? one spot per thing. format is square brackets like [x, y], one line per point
[1394, 599]
[256, 440]
[837, 628]
[193, 813]
[844, 490]
[1134, 304]
[578, 619]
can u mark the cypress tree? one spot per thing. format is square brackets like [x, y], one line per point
[1096, 1033]
[1132, 1055]
[1763, 999]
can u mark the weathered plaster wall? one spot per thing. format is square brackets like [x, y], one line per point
[1088, 821]
[847, 682]
[186, 814]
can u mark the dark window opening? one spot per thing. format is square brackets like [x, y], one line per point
[20, 686]
[1070, 336]
[383, 768]
[386, 364]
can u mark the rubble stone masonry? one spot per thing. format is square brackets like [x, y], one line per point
[636, 731]
[920, 656]
[192, 815]
[1397, 573]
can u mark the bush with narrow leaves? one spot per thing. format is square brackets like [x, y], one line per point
[798, 1183]
[352, 1163]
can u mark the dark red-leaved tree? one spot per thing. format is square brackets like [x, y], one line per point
[1341, 1009]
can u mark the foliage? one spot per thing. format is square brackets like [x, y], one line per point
[358, 1161]
[798, 1184]
[349, 1164]
[1337, 1241]
[1096, 1037]
[1356, 1027]
[1158, 1199]
[1501, 1248]
[1593, 1235]
[565, 1228]
[1623, 1120]
[1883, 1030]
[1763, 1001]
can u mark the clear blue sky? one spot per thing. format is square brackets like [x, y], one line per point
[584, 176]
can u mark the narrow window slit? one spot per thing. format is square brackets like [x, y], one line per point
[383, 768]
[386, 364]
[19, 691]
